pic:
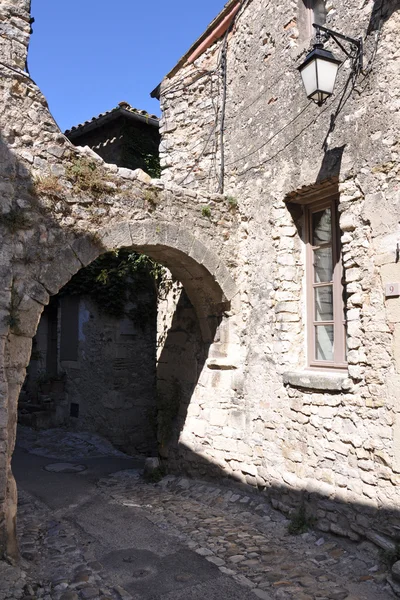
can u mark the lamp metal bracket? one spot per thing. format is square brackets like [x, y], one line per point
[357, 44]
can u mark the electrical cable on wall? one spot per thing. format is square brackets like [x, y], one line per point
[17, 71]
[290, 142]
[269, 140]
[223, 107]
[224, 76]
[221, 64]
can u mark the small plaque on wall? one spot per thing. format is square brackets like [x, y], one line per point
[392, 290]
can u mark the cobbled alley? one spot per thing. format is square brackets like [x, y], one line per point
[91, 528]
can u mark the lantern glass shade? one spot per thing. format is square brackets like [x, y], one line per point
[318, 73]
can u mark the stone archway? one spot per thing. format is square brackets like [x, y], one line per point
[205, 278]
[51, 226]
[198, 267]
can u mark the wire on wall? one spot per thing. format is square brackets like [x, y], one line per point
[224, 76]
[17, 71]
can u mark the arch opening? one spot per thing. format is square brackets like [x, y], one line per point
[118, 352]
[188, 319]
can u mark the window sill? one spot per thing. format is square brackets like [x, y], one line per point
[313, 380]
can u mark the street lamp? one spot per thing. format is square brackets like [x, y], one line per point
[320, 67]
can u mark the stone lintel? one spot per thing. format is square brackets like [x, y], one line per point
[314, 380]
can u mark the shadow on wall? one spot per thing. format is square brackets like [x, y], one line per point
[179, 366]
[325, 509]
[381, 12]
[24, 251]
[38, 257]
[331, 164]
[184, 350]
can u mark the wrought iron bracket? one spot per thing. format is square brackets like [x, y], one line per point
[356, 43]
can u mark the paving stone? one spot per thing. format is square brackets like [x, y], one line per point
[262, 594]
[89, 593]
[237, 558]
[338, 595]
[204, 552]
[215, 560]
[259, 554]
[396, 571]
[95, 565]
[69, 596]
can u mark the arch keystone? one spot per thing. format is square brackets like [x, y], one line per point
[117, 236]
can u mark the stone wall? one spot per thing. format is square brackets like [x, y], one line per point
[122, 142]
[58, 214]
[182, 355]
[331, 440]
[113, 380]
[255, 414]
[107, 384]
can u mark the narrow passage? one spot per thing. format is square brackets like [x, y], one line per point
[90, 528]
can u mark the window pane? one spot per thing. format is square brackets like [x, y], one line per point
[324, 303]
[321, 227]
[324, 342]
[323, 268]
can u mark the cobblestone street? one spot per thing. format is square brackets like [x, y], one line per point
[121, 538]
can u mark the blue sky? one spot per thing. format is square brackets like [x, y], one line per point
[88, 55]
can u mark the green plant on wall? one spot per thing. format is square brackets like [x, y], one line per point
[141, 152]
[152, 197]
[300, 522]
[389, 557]
[87, 176]
[232, 201]
[114, 279]
[48, 185]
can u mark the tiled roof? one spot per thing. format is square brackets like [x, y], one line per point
[123, 109]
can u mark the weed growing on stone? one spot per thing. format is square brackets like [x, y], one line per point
[300, 522]
[114, 279]
[151, 197]
[206, 211]
[232, 201]
[15, 220]
[155, 475]
[87, 176]
[49, 186]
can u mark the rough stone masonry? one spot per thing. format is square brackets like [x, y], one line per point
[330, 440]
[61, 207]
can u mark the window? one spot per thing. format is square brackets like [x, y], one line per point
[311, 11]
[326, 322]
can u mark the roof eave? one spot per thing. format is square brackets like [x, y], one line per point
[191, 52]
[75, 132]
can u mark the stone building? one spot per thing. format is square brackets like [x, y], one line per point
[89, 369]
[282, 271]
[123, 136]
[95, 371]
[310, 412]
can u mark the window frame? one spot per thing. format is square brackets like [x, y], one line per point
[313, 13]
[338, 321]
